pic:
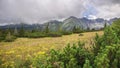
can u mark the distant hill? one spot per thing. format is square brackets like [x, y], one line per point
[66, 24]
[69, 23]
[54, 25]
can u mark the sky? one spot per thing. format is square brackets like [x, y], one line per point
[39, 11]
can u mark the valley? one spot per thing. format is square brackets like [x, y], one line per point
[22, 47]
[59, 34]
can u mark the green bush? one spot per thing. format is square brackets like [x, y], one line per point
[35, 35]
[77, 30]
[80, 34]
[2, 38]
[9, 37]
[66, 32]
[54, 34]
[87, 64]
[70, 56]
[116, 27]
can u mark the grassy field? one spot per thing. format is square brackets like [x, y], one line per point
[25, 46]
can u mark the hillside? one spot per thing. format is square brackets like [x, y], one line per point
[22, 47]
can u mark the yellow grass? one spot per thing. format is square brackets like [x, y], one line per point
[25, 46]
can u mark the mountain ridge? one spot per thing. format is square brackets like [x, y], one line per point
[67, 24]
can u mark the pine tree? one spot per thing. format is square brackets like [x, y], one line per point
[116, 27]
[105, 25]
[9, 37]
[87, 64]
[72, 63]
[0, 32]
[22, 31]
[114, 63]
[47, 28]
[97, 44]
[88, 28]
[15, 32]
[110, 37]
[1, 37]
[118, 56]
[74, 29]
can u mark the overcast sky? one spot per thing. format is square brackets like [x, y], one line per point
[39, 11]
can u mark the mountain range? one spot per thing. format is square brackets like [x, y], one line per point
[67, 24]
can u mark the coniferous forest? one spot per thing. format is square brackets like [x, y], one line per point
[10, 34]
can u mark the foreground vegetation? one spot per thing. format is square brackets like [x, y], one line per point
[21, 48]
[103, 53]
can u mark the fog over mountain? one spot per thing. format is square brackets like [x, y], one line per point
[67, 25]
[39, 11]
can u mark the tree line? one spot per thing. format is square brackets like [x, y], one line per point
[9, 35]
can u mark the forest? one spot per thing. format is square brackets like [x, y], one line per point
[11, 34]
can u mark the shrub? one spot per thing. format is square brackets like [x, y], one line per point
[54, 34]
[35, 35]
[40, 60]
[28, 62]
[70, 56]
[77, 29]
[9, 37]
[1, 38]
[87, 64]
[66, 32]
[80, 34]
[116, 27]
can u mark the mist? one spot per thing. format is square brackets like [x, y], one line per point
[40, 11]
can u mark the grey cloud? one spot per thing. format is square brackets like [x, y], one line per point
[40, 10]
[107, 8]
[106, 2]
[34, 11]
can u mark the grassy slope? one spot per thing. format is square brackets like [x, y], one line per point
[23, 46]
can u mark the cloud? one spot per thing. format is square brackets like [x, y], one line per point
[38, 11]
[90, 10]
[107, 8]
